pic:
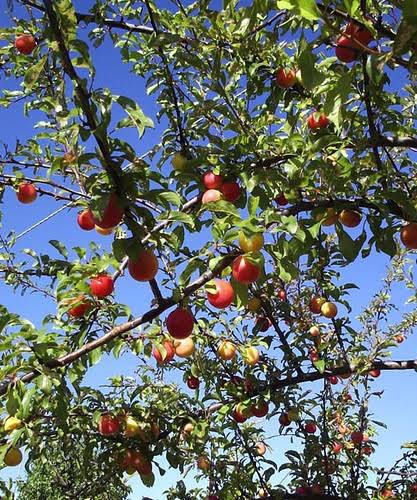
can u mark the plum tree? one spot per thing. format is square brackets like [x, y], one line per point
[281, 161]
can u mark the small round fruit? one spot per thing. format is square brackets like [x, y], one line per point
[104, 231]
[251, 355]
[316, 489]
[284, 420]
[223, 296]
[112, 214]
[13, 457]
[83, 305]
[212, 181]
[12, 423]
[25, 44]
[108, 425]
[141, 464]
[263, 324]
[226, 350]
[253, 304]
[286, 78]
[315, 304]
[211, 195]
[144, 267]
[102, 285]
[26, 193]
[329, 217]
[316, 121]
[333, 379]
[345, 49]
[193, 382]
[164, 358]
[180, 323]
[184, 348]
[282, 294]
[179, 162]
[350, 218]
[244, 271]
[260, 409]
[375, 373]
[240, 414]
[85, 220]
[251, 243]
[281, 200]
[310, 427]
[408, 235]
[132, 427]
[314, 331]
[188, 428]
[302, 490]
[329, 310]
[203, 463]
[260, 448]
[231, 191]
[399, 338]
[356, 437]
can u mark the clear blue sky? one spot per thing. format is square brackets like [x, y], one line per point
[394, 408]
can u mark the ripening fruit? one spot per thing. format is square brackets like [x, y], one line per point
[226, 350]
[112, 214]
[408, 235]
[132, 427]
[281, 200]
[85, 220]
[329, 310]
[253, 304]
[141, 464]
[144, 267]
[179, 162]
[104, 231]
[314, 331]
[164, 358]
[317, 120]
[188, 428]
[203, 463]
[356, 437]
[282, 294]
[240, 413]
[251, 243]
[350, 218]
[310, 427]
[284, 420]
[223, 296]
[82, 306]
[25, 44]
[231, 191]
[263, 324]
[333, 379]
[12, 457]
[399, 338]
[180, 323]
[102, 285]
[244, 271]
[184, 348]
[286, 78]
[108, 425]
[315, 304]
[193, 382]
[260, 448]
[346, 49]
[260, 409]
[212, 181]
[26, 193]
[12, 423]
[250, 355]
[211, 195]
[316, 489]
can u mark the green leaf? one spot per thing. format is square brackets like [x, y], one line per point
[306, 8]
[320, 365]
[33, 73]
[310, 76]
[136, 117]
[336, 99]
[60, 247]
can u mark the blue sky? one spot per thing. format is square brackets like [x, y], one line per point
[394, 408]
